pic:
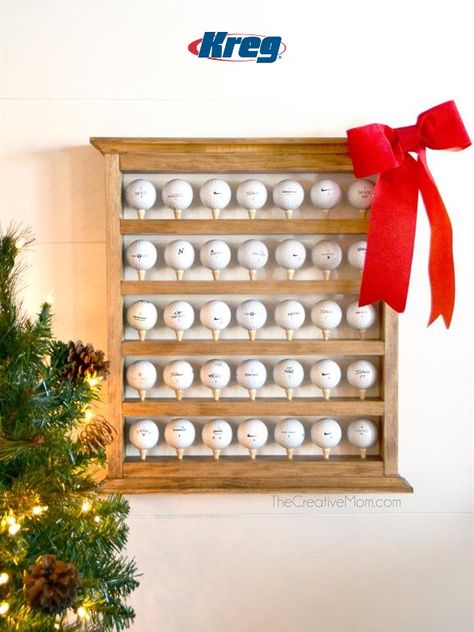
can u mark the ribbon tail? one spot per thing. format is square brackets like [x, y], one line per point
[441, 263]
[391, 237]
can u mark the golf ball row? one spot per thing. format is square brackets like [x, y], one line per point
[251, 374]
[215, 255]
[251, 315]
[251, 434]
[215, 194]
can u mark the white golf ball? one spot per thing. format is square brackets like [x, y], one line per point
[325, 194]
[215, 373]
[326, 315]
[356, 254]
[251, 315]
[327, 255]
[142, 315]
[144, 434]
[362, 433]
[180, 433]
[326, 433]
[251, 374]
[289, 433]
[177, 194]
[361, 374]
[251, 194]
[360, 194]
[289, 314]
[141, 254]
[252, 254]
[215, 315]
[178, 375]
[215, 194]
[217, 434]
[360, 317]
[288, 373]
[252, 433]
[140, 194]
[326, 374]
[290, 254]
[179, 315]
[215, 254]
[288, 195]
[179, 254]
[141, 375]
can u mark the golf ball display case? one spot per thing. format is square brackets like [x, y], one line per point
[223, 311]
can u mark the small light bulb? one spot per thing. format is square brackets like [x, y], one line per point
[86, 506]
[4, 577]
[97, 519]
[19, 243]
[88, 415]
[93, 380]
[83, 613]
[14, 528]
[37, 510]
[11, 520]
[4, 607]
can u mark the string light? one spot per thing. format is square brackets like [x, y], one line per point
[86, 506]
[4, 577]
[4, 607]
[11, 520]
[88, 415]
[19, 243]
[93, 380]
[97, 519]
[83, 613]
[38, 510]
[14, 528]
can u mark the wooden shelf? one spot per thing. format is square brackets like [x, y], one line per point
[201, 407]
[243, 226]
[339, 474]
[253, 347]
[255, 288]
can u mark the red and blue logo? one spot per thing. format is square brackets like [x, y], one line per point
[223, 46]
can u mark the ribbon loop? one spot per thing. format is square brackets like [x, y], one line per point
[380, 149]
[442, 127]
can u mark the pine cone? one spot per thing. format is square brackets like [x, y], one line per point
[96, 435]
[51, 585]
[84, 361]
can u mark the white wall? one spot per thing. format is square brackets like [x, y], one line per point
[120, 67]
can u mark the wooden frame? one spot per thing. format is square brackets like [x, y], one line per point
[238, 474]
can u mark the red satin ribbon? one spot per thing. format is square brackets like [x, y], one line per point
[379, 149]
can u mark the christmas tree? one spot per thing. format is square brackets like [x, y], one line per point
[61, 541]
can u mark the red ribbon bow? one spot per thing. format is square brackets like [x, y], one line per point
[380, 149]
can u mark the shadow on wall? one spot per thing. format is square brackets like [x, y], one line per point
[62, 193]
[64, 203]
[77, 194]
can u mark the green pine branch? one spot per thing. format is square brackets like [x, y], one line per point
[49, 500]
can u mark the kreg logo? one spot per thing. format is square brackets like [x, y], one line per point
[223, 46]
